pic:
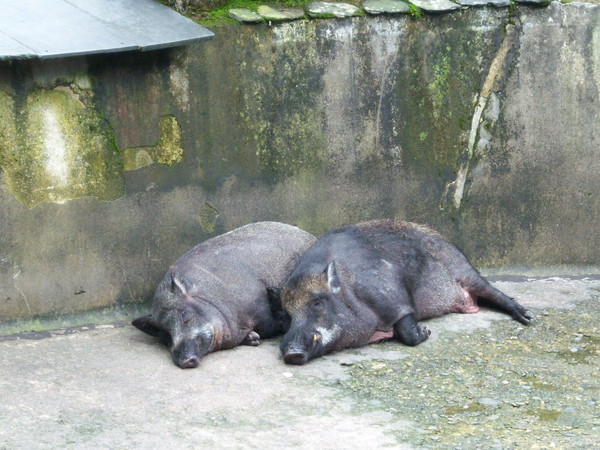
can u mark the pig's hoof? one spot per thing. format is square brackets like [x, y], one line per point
[521, 314]
[252, 339]
[409, 332]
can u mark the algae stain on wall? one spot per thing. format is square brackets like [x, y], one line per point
[8, 129]
[596, 54]
[439, 86]
[167, 151]
[278, 94]
[208, 217]
[54, 148]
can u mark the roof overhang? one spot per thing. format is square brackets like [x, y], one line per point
[62, 28]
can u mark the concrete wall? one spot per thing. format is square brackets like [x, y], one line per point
[483, 123]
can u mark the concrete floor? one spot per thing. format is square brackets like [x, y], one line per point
[111, 386]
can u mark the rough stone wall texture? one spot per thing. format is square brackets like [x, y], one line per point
[482, 123]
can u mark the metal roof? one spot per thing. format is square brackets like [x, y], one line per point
[60, 28]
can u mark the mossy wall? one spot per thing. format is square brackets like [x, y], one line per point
[482, 123]
[56, 149]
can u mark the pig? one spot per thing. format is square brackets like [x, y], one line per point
[376, 280]
[215, 296]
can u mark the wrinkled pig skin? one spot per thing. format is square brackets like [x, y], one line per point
[215, 296]
[375, 280]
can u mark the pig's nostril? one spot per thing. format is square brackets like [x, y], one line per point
[190, 363]
[295, 358]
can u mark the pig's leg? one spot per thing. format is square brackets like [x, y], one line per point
[388, 306]
[252, 339]
[480, 287]
[409, 332]
[471, 280]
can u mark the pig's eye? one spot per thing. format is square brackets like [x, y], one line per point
[186, 317]
[318, 303]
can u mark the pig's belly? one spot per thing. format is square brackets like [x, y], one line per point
[435, 302]
[451, 298]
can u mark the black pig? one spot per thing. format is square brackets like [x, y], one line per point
[214, 297]
[375, 280]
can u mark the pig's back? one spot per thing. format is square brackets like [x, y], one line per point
[265, 250]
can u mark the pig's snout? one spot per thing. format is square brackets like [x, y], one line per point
[187, 354]
[190, 363]
[303, 348]
[295, 357]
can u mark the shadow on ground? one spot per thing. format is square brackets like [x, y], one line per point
[481, 380]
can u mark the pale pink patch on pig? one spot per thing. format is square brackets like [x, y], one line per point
[379, 336]
[470, 302]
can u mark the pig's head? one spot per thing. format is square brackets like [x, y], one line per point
[315, 307]
[179, 322]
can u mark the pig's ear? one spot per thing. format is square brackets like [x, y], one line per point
[149, 326]
[274, 297]
[282, 318]
[333, 281]
[179, 283]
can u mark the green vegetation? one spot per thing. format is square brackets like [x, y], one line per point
[220, 16]
[415, 11]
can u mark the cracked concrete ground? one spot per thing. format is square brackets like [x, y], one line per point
[480, 381]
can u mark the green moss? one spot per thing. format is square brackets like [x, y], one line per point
[438, 88]
[44, 324]
[56, 148]
[167, 151]
[323, 16]
[415, 11]
[8, 130]
[280, 158]
[438, 95]
[208, 217]
[284, 138]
